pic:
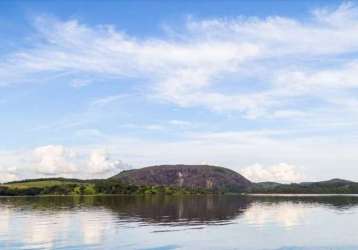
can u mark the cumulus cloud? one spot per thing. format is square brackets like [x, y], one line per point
[282, 54]
[229, 150]
[77, 162]
[100, 163]
[281, 172]
[55, 159]
[59, 160]
[276, 67]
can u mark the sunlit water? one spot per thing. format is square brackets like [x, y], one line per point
[191, 222]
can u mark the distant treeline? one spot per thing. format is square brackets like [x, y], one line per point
[335, 186]
[63, 186]
[93, 187]
[62, 179]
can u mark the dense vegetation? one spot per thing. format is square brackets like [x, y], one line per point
[335, 186]
[61, 186]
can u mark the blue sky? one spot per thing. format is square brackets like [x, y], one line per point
[267, 88]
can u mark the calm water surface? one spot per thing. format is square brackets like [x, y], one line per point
[191, 222]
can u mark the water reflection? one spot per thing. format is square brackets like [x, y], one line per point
[179, 210]
[128, 222]
[286, 214]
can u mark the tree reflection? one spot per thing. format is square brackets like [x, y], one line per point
[176, 210]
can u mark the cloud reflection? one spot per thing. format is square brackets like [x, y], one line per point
[5, 216]
[285, 214]
[135, 222]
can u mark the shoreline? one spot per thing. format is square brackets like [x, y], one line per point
[302, 195]
[181, 195]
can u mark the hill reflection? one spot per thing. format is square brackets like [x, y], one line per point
[177, 210]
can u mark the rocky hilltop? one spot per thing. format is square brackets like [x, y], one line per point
[172, 180]
[191, 176]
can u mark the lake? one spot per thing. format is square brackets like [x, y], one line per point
[189, 222]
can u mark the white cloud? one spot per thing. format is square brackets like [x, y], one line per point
[58, 160]
[281, 172]
[289, 57]
[180, 123]
[232, 150]
[79, 83]
[107, 100]
[55, 160]
[289, 68]
[100, 163]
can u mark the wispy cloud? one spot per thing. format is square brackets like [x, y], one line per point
[284, 54]
[108, 100]
[181, 123]
[276, 68]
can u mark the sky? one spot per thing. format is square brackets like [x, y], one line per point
[266, 88]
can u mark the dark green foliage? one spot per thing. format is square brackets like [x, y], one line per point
[117, 187]
[93, 187]
[334, 186]
[113, 187]
[50, 179]
[61, 186]
[5, 191]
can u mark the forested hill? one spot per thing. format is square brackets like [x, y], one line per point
[172, 180]
[63, 186]
[334, 186]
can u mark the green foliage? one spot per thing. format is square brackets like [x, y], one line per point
[61, 186]
[93, 187]
[325, 187]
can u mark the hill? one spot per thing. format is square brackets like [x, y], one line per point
[74, 187]
[334, 186]
[42, 182]
[189, 176]
[48, 186]
[172, 180]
